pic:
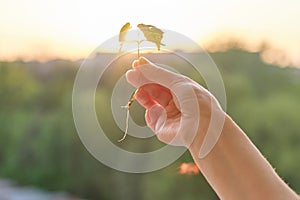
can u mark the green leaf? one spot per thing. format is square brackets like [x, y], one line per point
[152, 34]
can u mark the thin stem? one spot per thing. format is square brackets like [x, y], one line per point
[128, 106]
[126, 128]
[132, 99]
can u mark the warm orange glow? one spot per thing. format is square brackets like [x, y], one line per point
[189, 169]
[42, 30]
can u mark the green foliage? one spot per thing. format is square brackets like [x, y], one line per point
[39, 144]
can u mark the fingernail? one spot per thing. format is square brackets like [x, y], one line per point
[143, 61]
[135, 63]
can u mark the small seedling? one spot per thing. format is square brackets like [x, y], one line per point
[151, 34]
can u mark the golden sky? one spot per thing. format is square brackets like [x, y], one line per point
[71, 29]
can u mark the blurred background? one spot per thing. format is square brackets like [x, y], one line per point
[255, 44]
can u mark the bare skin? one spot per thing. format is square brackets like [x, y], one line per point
[234, 168]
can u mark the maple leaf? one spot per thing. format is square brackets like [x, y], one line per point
[152, 34]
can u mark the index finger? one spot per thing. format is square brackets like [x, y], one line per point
[145, 72]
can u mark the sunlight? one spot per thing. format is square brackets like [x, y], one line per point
[72, 29]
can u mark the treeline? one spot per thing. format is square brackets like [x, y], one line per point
[39, 144]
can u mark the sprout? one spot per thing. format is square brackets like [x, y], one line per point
[152, 34]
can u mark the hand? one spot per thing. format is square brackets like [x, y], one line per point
[174, 103]
[181, 112]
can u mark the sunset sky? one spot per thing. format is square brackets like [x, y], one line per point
[71, 29]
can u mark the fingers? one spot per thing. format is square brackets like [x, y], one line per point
[135, 77]
[143, 97]
[145, 72]
[160, 94]
[140, 61]
[156, 92]
[156, 117]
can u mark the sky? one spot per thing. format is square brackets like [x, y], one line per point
[72, 29]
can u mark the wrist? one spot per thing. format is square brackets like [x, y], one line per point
[197, 143]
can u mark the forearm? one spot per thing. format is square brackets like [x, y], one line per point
[237, 170]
